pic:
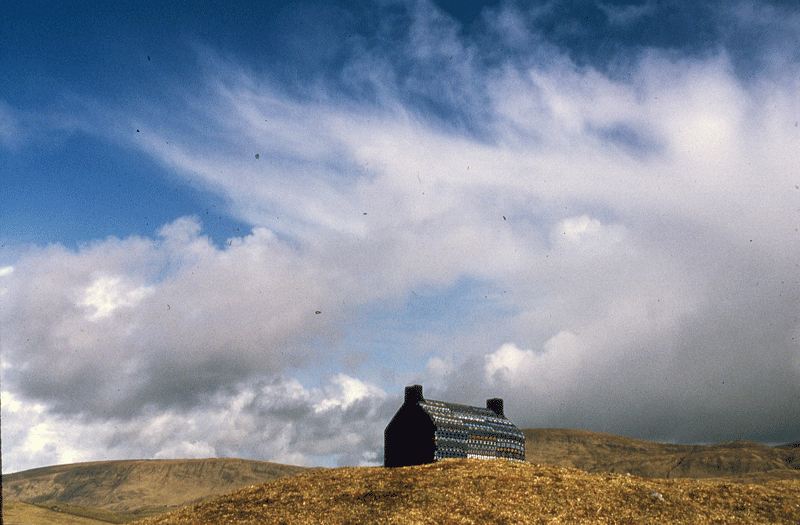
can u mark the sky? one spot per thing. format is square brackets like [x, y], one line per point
[240, 230]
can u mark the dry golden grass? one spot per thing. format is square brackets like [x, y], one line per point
[136, 486]
[17, 512]
[600, 453]
[496, 491]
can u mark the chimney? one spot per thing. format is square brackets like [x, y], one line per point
[495, 405]
[414, 395]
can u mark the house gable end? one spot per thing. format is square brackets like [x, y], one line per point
[409, 438]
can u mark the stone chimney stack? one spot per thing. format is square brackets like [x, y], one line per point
[495, 405]
[414, 395]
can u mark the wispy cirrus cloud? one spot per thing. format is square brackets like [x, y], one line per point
[9, 125]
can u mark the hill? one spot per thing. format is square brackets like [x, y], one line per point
[121, 491]
[491, 491]
[597, 452]
[17, 512]
[124, 491]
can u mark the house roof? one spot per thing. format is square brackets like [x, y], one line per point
[455, 415]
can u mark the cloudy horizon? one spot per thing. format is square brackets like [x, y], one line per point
[240, 232]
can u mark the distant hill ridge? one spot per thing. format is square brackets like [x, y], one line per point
[120, 491]
[597, 452]
[129, 485]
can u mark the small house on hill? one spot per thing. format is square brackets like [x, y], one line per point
[424, 431]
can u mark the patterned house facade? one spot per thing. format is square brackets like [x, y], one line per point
[423, 431]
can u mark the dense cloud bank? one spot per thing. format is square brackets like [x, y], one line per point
[609, 241]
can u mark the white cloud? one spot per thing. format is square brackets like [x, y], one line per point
[622, 238]
[176, 301]
[507, 359]
[107, 294]
[554, 368]
[5, 271]
[583, 230]
[438, 370]
[34, 437]
[347, 390]
[270, 421]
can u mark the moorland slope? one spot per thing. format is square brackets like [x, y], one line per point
[125, 490]
[466, 491]
[600, 453]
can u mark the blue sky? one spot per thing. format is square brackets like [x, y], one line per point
[241, 230]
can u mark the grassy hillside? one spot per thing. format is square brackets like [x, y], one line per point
[124, 491]
[597, 452]
[793, 451]
[136, 484]
[18, 512]
[492, 491]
